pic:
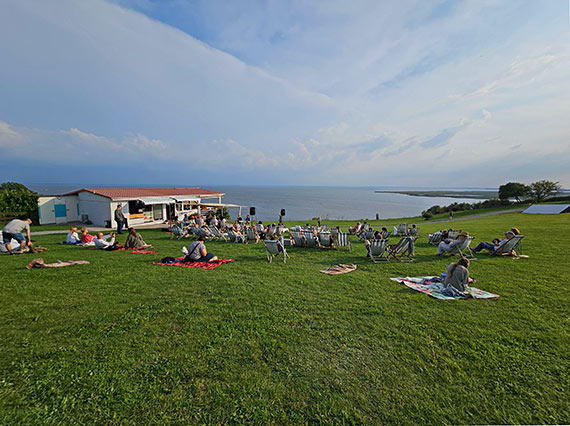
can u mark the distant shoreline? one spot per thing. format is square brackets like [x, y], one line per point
[478, 195]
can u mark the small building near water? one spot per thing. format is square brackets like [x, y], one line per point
[548, 209]
[140, 205]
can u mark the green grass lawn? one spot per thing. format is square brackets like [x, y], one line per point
[121, 341]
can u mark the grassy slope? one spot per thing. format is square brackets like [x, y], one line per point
[122, 341]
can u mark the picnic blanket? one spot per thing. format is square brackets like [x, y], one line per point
[143, 251]
[434, 289]
[200, 265]
[39, 263]
[338, 269]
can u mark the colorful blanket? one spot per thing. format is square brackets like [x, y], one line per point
[338, 269]
[434, 289]
[201, 265]
[143, 251]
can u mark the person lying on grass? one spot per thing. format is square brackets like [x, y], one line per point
[102, 243]
[458, 275]
[197, 252]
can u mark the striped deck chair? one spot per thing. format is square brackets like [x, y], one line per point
[297, 238]
[435, 238]
[403, 249]
[177, 231]
[310, 241]
[251, 235]
[235, 238]
[342, 240]
[217, 233]
[368, 235]
[453, 233]
[377, 251]
[274, 248]
[460, 248]
[414, 232]
[507, 248]
[326, 239]
[402, 229]
[385, 234]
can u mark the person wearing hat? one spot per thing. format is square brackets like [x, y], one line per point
[496, 244]
[447, 245]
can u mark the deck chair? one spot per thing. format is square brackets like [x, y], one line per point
[325, 239]
[270, 232]
[298, 239]
[310, 241]
[453, 233]
[342, 240]
[402, 229]
[273, 248]
[435, 238]
[251, 235]
[507, 248]
[414, 232]
[385, 234]
[460, 248]
[217, 233]
[403, 249]
[177, 231]
[235, 238]
[368, 235]
[377, 251]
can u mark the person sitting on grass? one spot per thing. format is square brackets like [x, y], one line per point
[14, 230]
[447, 245]
[86, 238]
[197, 252]
[457, 275]
[134, 240]
[102, 243]
[495, 245]
[72, 237]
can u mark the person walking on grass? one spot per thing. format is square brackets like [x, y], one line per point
[14, 229]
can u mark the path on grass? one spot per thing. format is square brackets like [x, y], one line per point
[476, 215]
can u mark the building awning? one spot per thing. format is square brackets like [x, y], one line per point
[181, 198]
[156, 200]
[219, 205]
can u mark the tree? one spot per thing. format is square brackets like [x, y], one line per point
[543, 189]
[16, 198]
[513, 190]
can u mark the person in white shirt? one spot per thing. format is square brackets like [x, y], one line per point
[102, 243]
[72, 237]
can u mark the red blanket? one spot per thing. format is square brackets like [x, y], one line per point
[201, 265]
[143, 251]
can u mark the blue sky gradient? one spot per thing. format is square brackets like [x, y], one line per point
[299, 93]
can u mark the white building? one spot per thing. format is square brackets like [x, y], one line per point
[140, 205]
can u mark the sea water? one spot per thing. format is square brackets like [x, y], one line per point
[301, 203]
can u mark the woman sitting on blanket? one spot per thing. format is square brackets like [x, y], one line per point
[135, 241]
[72, 237]
[197, 252]
[86, 238]
[458, 275]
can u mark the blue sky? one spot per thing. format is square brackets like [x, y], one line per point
[419, 93]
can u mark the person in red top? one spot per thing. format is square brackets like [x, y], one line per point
[86, 238]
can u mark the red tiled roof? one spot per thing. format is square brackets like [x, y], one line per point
[114, 193]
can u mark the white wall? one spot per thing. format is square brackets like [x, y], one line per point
[96, 207]
[46, 210]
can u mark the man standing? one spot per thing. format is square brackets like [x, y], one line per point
[119, 218]
[14, 230]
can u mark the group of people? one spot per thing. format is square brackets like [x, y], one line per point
[447, 244]
[105, 242]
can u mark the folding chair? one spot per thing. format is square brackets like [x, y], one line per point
[404, 248]
[273, 248]
[325, 239]
[507, 248]
[377, 251]
[297, 238]
[342, 240]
